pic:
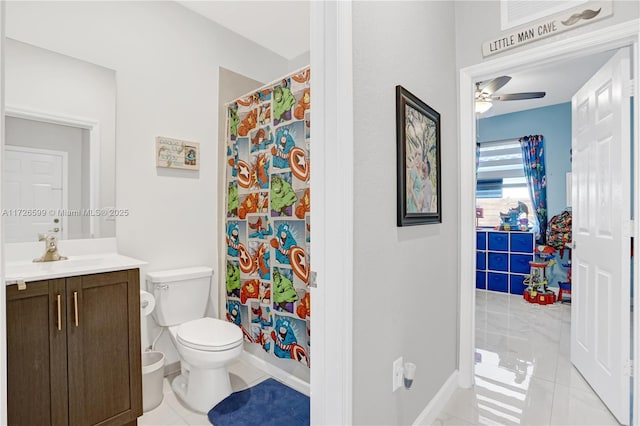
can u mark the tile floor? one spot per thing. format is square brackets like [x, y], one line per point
[523, 372]
[172, 412]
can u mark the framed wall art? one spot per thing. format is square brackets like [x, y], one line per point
[177, 154]
[418, 159]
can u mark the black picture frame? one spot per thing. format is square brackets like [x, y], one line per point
[419, 196]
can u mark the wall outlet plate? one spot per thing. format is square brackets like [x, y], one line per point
[397, 374]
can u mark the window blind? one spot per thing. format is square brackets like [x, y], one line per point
[501, 160]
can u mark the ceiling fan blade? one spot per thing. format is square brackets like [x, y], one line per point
[518, 96]
[495, 84]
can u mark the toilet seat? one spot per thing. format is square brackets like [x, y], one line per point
[209, 334]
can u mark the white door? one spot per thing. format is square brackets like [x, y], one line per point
[33, 193]
[600, 311]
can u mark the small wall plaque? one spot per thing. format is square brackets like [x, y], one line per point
[177, 154]
[564, 21]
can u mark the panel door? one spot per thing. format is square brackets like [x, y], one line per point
[33, 181]
[600, 312]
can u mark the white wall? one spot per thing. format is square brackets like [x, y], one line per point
[405, 279]
[166, 60]
[479, 21]
[300, 61]
[45, 81]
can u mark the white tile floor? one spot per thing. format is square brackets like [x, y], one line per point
[523, 372]
[172, 412]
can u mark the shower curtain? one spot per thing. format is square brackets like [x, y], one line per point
[267, 216]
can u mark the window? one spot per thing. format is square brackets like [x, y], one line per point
[501, 182]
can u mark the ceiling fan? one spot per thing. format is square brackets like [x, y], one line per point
[484, 96]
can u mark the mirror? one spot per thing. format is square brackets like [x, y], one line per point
[59, 158]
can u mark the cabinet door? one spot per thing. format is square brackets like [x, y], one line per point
[37, 354]
[105, 378]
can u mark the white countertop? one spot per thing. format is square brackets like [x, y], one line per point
[73, 266]
[92, 261]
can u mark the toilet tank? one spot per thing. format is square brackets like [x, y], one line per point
[181, 294]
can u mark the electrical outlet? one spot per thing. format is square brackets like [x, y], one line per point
[397, 374]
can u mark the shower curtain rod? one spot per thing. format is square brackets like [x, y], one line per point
[288, 74]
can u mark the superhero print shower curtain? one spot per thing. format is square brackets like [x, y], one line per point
[267, 216]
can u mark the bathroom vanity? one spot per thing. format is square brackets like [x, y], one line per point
[73, 342]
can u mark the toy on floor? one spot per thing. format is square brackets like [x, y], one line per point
[537, 290]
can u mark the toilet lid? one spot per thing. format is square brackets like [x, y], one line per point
[209, 334]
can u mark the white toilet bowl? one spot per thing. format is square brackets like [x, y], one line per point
[206, 346]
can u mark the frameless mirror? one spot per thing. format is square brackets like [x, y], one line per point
[59, 154]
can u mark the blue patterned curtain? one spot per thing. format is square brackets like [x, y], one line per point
[536, 175]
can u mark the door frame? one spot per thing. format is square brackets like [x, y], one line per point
[332, 228]
[612, 37]
[65, 177]
[3, 297]
[93, 127]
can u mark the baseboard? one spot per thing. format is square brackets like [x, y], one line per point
[437, 403]
[277, 373]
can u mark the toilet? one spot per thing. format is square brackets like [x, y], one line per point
[205, 345]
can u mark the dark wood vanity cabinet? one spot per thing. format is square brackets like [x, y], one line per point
[73, 351]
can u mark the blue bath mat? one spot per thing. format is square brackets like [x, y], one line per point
[267, 403]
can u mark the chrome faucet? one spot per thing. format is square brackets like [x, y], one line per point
[51, 249]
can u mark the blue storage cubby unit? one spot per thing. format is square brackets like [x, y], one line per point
[519, 263]
[521, 242]
[498, 261]
[499, 241]
[481, 280]
[481, 260]
[481, 240]
[516, 286]
[502, 260]
[498, 282]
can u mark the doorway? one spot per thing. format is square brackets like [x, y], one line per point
[623, 35]
[48, 175]
[36, 192]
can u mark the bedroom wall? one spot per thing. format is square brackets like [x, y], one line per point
[554, 123]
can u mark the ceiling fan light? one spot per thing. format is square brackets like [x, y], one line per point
[483, 106]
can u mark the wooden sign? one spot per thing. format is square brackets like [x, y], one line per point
[177, 154]
[543, 28]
